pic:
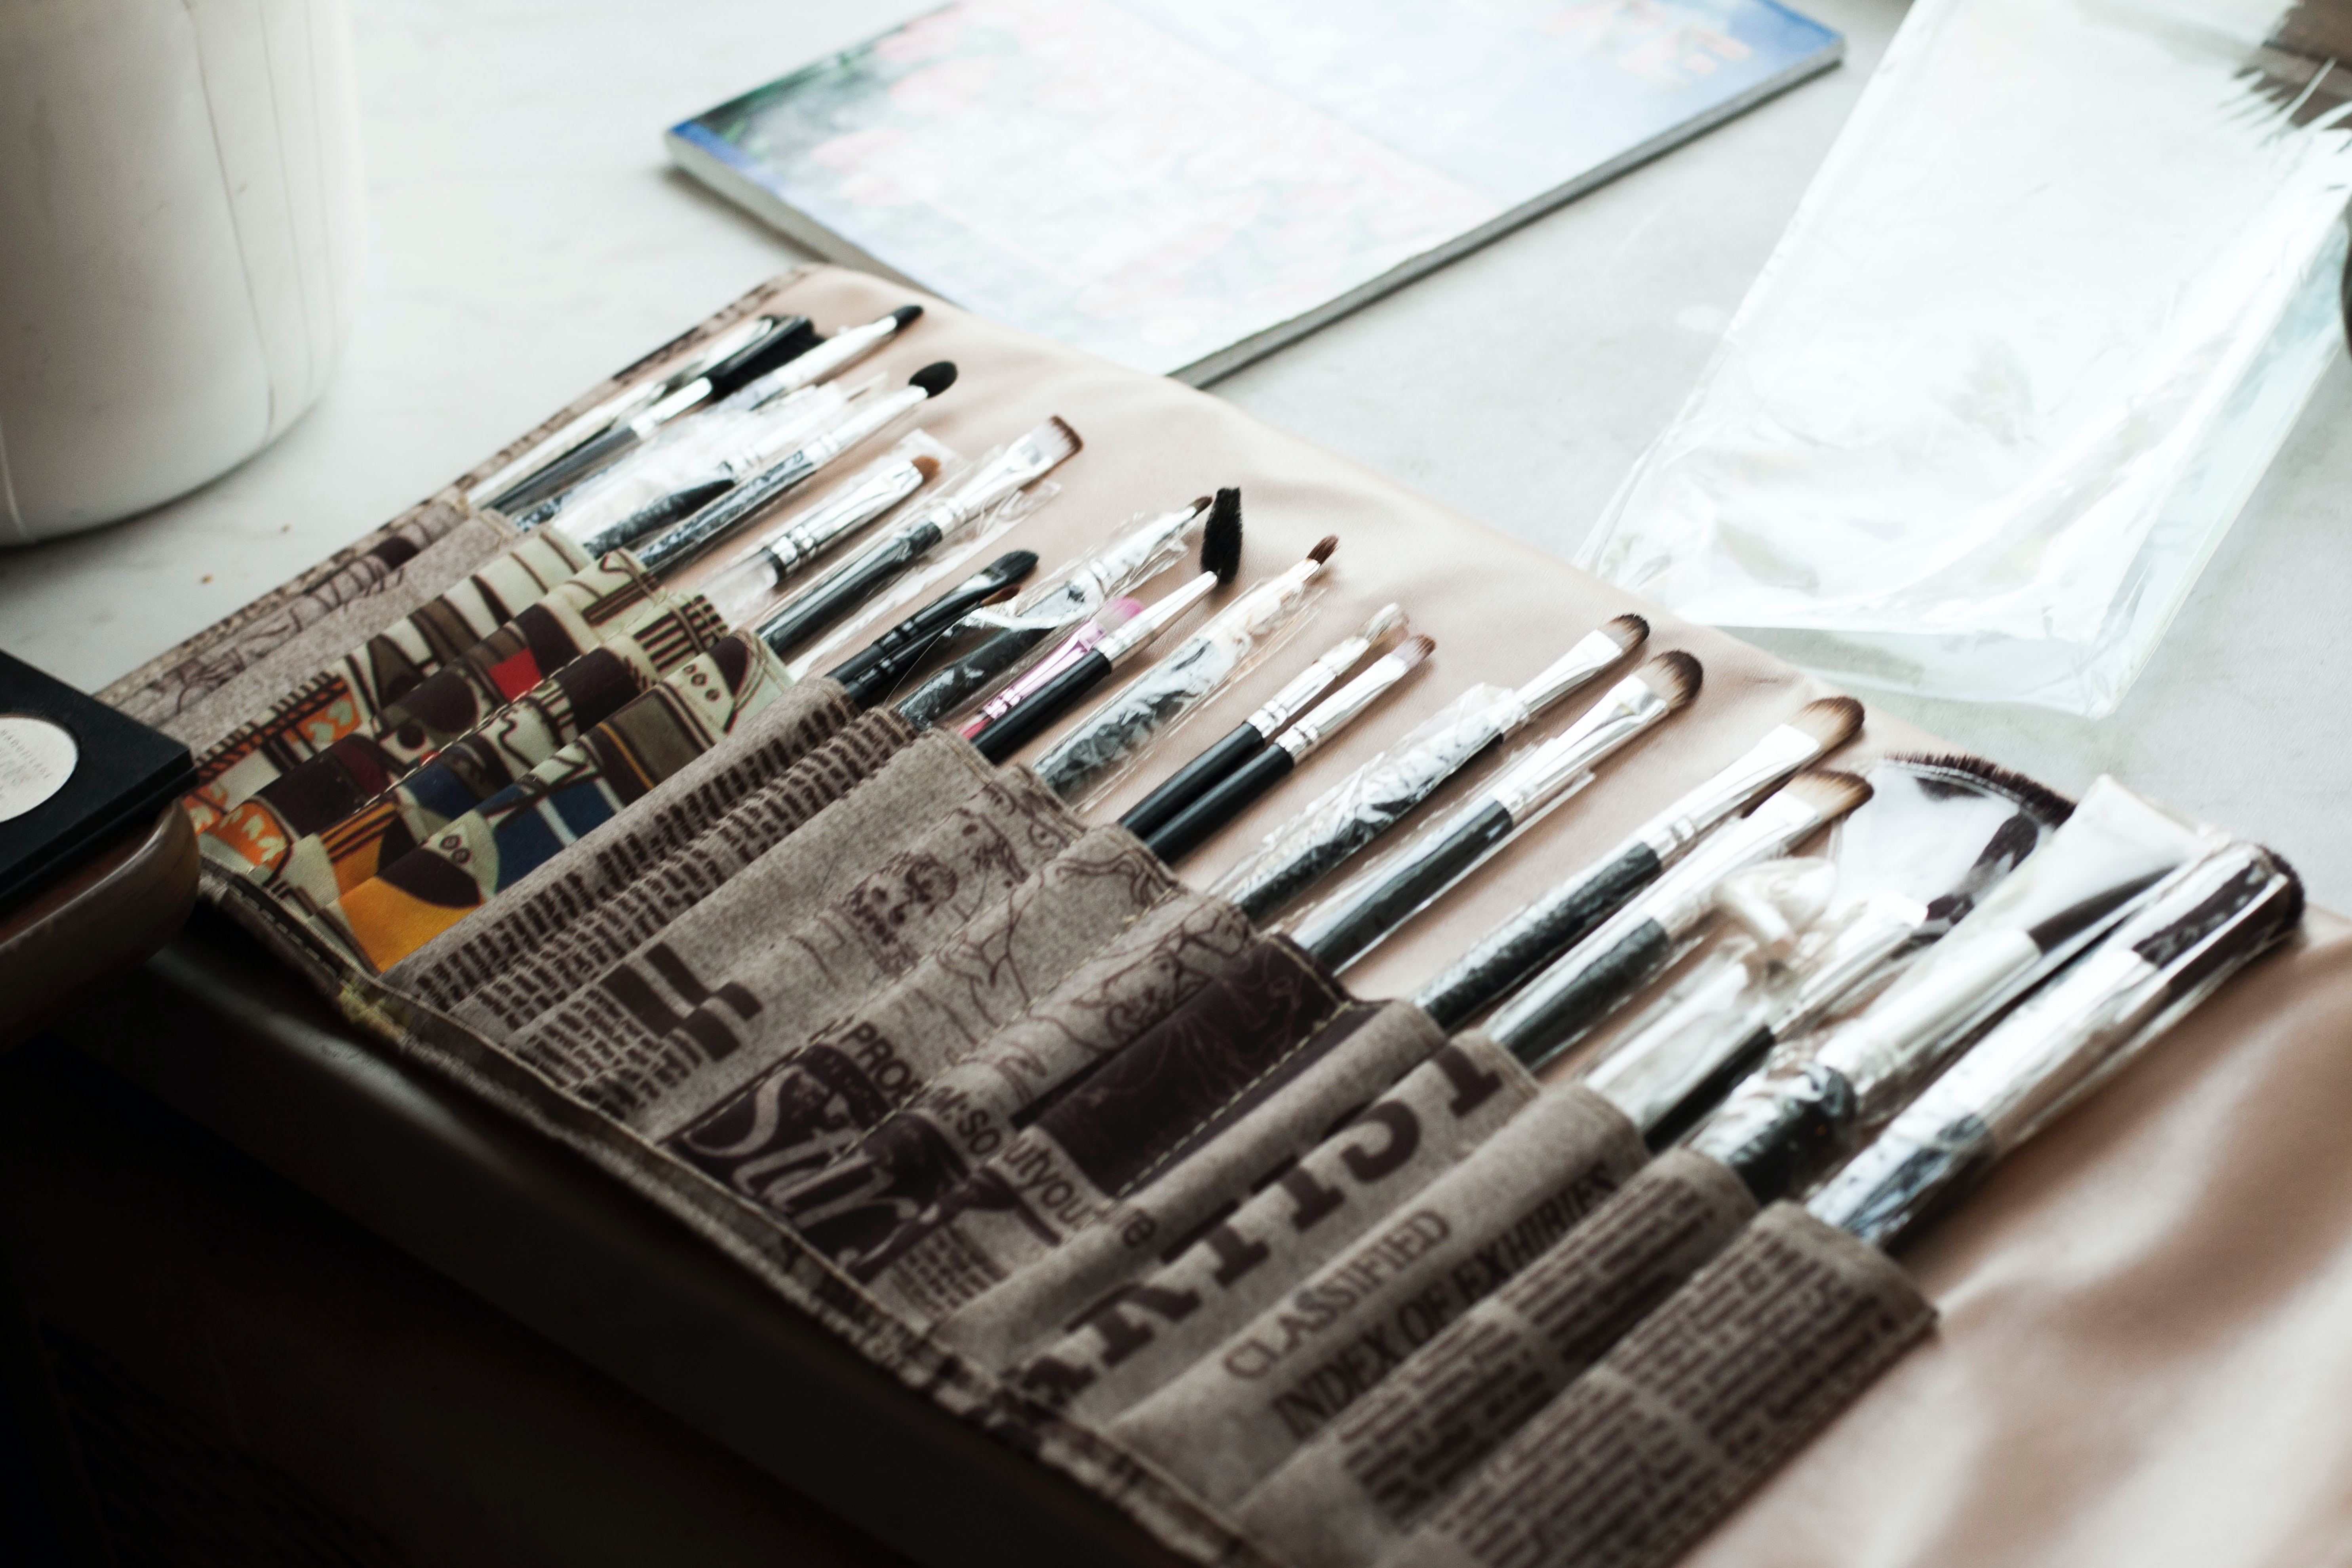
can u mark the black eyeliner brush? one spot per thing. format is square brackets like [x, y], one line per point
[1249, 739]
[1231, 795]
[870, 673]
[787, 339]
[1030, 717]
[1357, 919]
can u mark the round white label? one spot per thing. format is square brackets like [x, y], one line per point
[37, 757]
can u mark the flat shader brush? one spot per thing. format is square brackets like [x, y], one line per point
[1030, 717]
[1248, 740]
[1358, 920]
[1567, 913]
[1225, 800]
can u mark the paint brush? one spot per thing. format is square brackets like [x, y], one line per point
[1355, 921]
[1023, 463]
[1250, 738]
[1273, 763]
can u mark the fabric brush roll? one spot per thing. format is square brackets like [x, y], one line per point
[1361, 1203]
[977, 1106]
[584, 786]
[582, 877]
[1107, 1134]
[1362, 1482]
[1240, 1409]
[1648, 1450]
[345, 698]
[724, 995]
[633, 914]
[598, 606]
[816, 1103]
[1261, 1136]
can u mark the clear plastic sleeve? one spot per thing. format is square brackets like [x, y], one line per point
[2056, 296]
[1089, 761]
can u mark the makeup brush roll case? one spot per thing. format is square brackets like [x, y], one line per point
[667, 1088]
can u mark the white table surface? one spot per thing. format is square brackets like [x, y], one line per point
[527, 237]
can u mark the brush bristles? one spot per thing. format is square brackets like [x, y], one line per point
[1056, 440]
[1386, 619]
[1675, 676]
[2046, 805]
[934, 378]
[1827, 793]
[2290, 907]
[1828, 723]
[1221, 541]
[1323, 548]
[1413, 649]
[1628, 632]
[1015, 563]
[926, 466]
[907, 315]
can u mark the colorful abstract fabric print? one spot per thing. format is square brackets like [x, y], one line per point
[346, 698]
[597, 607]
[564, 798]
[323, 866]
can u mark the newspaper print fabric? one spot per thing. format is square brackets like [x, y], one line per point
[252, 837]
[345, 698]
[323, 867]
[584, 786]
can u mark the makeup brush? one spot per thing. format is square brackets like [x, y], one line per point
[1334, 828]
[1229, 796]
[1096, 627]
[1564, 916]
[1637, 942]
[867, 417]
[784, 338]
[1250, 738]
[1030, 718]
[870, 673]
[1130, 556]
[1024, 463]
[1355, 921]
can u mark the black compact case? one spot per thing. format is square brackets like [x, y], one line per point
[122, 774]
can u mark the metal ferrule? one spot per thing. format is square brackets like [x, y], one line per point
[853, 507]
[1883, 927]
[1772, 759]
[1339, 710]
[1316, 678]
[1591, 654]
[1686, 896]
[1538, 779]
[1126, 642]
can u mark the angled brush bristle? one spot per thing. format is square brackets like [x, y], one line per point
[934, 378]
[905, 315]
[1221, 541]
[1057, 439]
[2046, 805]
[1829, 724]
[926, 466]
[1323, 548]
[1629, 632]
[1675, 676]
[1827, 792]
[1413, 649]
[1386, 619]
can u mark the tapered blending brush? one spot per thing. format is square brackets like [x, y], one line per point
[1255, 734]
[1033, 714]
[1024, 463]
[1802, 1311]
[1566, 914]
[1231, 795]
[1333, 828]
[1358, 918]
[783, 338]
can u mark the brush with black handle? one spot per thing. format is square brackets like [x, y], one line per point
[1250, 738]
[1225, 800]
[869, 674]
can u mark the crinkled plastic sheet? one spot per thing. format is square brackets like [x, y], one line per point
[2054, 300]
[1371, 800]
[1089, 762]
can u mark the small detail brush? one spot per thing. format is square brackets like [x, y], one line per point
[1229, 796]
[1569, 912]
[1024, 462]
[870, 673]
[1030, 718]
[1248, 740]
[1356, 921]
